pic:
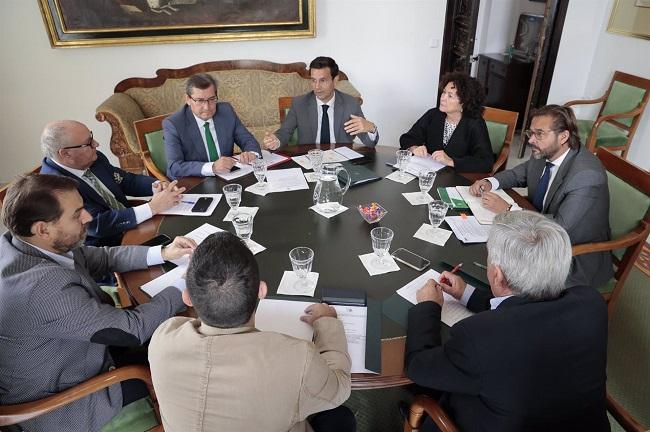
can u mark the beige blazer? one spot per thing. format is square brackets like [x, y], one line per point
[242, 379]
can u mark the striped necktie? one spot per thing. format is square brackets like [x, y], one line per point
[103, 191]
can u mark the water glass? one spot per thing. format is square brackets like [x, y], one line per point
[301, 260]
[381, 238]
[403, 157]
[232, 193]
[316, 158]
[259, 169]
[426, 180]
[437, 211]
[243, 223]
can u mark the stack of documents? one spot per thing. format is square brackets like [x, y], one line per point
[483, 215]
[418, 164]
[467, 229]
[451, 196]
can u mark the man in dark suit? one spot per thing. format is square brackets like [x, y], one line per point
[57, 327]
[566, 183]
[536, 361]
[71, 151]
[338, 111]
[200, 137]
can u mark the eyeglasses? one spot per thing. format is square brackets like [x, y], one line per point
[89, 143]
[538, 133]
[208, 101]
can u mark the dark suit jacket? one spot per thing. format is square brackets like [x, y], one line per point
[184, 146]
[469, 145]
[578, 200]
[56, 323]
[525, 366]
[303, 115]
[108, 225]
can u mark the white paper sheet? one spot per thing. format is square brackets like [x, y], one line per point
[254, 246]
[368, 259]
[244, 169]
[198, 235]
[288, 284]
[303, 161]
[467, 229]
[417, 198]
[418, 164]
[259, 189]
[348, 153]
[285, 180]
[283, 316]
[354, 319]
[173, 277]
[310, 177]
[452, 310]
[248, 210]
[184, 208]
[331, 156]
[437, 236]
[394, 176]
[483, 215]
[273, 159]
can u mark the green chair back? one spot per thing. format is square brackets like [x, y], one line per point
[138, 416]
[622, 98]
[628, 348]
[627, 206]
[156, 146]
[497, 133]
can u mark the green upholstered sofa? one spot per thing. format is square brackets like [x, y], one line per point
[253, 87]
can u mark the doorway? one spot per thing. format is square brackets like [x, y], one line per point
[510, 46]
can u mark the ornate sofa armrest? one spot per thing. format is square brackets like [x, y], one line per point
[120, 111]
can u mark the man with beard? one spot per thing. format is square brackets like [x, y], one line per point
[566, 183]
[200, 137]
[57, 327]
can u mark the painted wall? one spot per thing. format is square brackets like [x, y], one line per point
[384, 46]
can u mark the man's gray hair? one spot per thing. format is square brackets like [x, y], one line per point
[55, 136]
[533, 252]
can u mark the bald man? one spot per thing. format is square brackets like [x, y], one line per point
[71, 151]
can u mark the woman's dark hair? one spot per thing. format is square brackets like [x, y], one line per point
[470, 92]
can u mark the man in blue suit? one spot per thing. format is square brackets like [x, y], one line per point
[200, 137]
[71, 151]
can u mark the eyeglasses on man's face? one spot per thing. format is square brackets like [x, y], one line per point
[88, 143]
[539, 134]
[209, 101]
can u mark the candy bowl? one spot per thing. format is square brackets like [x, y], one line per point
[372, 212]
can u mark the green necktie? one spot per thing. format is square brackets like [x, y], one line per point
[102, 191]
[213, 152]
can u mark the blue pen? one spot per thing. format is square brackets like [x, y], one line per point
[188, 202]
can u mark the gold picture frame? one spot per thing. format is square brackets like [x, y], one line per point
[630, 18]
[83, 23]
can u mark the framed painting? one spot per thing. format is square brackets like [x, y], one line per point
[76, 23]
[630, 18]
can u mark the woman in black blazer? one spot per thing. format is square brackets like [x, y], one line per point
[455, 133]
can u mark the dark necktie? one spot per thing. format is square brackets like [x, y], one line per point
[542, 187]
[325, 127]
[105, 194]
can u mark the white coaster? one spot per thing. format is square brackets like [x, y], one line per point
[255, 247]
[389, 266]
[258, 189]
[310, 177]
[417, 198]
[341, 209]
[289, 284]
[248, 210]
[437, 236]
[396, 177]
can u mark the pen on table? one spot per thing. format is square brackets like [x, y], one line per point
[188, 202]
[444, 280]
[481, 189]
[483, 266]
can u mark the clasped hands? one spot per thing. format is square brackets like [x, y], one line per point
[438, 155]
[489, 200]
[432, 290]
[165, 196]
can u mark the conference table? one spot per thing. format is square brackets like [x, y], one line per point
[285, 221]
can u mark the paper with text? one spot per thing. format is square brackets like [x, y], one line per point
[244, 169]
[355, 319]
[348, 153]
[285, 180]
[467, 229]
[483, 215]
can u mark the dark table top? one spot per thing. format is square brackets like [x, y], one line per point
[285, 221]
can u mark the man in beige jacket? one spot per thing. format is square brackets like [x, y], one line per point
[219, 373]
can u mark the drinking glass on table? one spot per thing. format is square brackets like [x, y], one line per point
[426, 180]
[402, 157]
[381, 238]
[316, 158]
[259, 169]
[232, 193]
[243, 223]
[301, 260]
[437, 212]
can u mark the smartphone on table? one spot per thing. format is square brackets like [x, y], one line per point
[411, 259]
[159, 240]
[202, 204]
